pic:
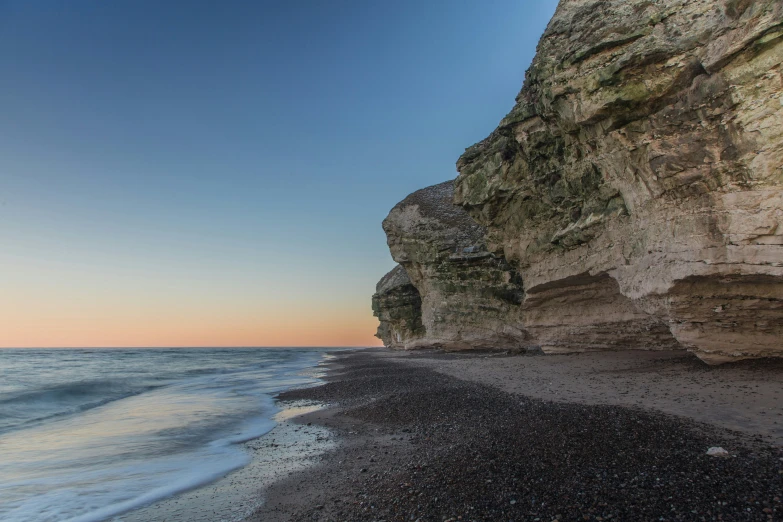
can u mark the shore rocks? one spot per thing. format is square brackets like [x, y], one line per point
[634, 192]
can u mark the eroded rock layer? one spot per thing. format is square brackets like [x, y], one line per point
[584, 313]
[470, 298]
[636, 184]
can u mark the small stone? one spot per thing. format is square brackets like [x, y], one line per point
[717, 451]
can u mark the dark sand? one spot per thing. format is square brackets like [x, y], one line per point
[745, 396]
[448, 437]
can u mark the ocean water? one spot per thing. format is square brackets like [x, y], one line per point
[88, 434]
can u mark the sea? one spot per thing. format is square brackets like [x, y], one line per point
[87, 434]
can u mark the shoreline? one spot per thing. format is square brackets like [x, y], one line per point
[284, 450]
[287, 448]
[434, 436]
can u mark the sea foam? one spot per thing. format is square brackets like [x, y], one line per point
[109, 432]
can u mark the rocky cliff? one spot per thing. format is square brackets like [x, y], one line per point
[470, 298]
[397, 305]
[635, 186]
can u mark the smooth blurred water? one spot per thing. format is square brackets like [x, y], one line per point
[87, 434]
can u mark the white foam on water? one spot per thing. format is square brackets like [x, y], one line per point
[125, 488]
[133, 451]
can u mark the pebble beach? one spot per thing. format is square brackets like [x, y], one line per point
[421, 437]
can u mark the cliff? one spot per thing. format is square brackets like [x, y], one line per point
[470, 298]
[633, 193]
[397, 305]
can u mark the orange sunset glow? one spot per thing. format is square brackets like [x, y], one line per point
[338, 328]
[59, 306]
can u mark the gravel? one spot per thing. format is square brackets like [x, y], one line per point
[436, 448]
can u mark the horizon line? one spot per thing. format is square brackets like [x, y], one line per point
[170, 347]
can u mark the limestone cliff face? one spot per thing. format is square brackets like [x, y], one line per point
[631, 199]
[637, 183]
[397, 305]
[470, 298]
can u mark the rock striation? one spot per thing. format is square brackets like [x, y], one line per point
[634, 194]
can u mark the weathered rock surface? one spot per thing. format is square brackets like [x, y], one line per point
[397, 305]
[470, 298]
[632, 198]
[636, 184]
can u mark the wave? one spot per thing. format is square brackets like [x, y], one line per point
[167, 422]
[132, 486]
[21, 409]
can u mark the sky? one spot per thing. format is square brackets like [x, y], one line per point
[209, 173]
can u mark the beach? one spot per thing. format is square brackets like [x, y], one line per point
[392, 261]
[483, 436]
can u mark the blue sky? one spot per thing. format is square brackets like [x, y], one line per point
[202, 167]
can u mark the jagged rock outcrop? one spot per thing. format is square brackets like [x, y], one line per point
[397, 305]
[470, 298]
[637, 183]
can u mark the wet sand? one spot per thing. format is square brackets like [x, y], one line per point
[429, 436]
